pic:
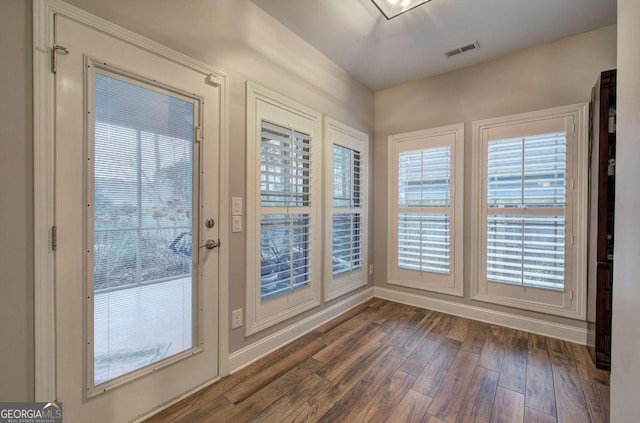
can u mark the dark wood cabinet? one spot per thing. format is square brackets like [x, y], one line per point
[602, 162]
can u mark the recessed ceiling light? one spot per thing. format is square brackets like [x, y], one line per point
[392, 8]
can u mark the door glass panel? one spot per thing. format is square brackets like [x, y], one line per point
[142, 217]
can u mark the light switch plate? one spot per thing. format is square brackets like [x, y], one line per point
[236, 206]
[236, 319]
[236, 224]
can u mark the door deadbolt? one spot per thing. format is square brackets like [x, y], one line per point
[210, 223]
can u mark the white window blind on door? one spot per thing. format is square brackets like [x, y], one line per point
[142, 218]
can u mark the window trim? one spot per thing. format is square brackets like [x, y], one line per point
[578, 206]
[457, 218]
[343, 284]
[255, 95]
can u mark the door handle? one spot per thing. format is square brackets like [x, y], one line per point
[210, 244]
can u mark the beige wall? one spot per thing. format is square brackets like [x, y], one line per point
[625, 360]
[234, 36]
[16, 203]
[554, 74]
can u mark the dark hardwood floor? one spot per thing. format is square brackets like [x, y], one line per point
[388, 362]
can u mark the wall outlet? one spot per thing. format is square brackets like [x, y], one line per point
[371, 269]
[236, 206]
[236, 319]
[236, 224]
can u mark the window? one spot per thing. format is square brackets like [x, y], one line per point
[425, 228]
[346, 188]
[283, 163]
[141, 172]
[528, 194]
[285, 181]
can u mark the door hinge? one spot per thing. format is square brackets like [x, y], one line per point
[54, 238]
[54, 55]
[212, 80]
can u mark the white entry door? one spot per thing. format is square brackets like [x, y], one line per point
[136, 209]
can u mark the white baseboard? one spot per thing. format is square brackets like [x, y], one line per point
[259, 349]
[537, 326]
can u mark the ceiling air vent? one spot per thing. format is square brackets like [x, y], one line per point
[471, 46]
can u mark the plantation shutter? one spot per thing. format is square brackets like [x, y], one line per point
[526, 200]
[285, 167]
[285, 207]
[424, 210]
[347, 210]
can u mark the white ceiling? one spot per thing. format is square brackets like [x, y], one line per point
[382, 53]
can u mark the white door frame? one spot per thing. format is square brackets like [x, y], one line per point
[43, 181]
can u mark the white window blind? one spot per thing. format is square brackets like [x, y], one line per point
[285, 250]
[424, 242]
[424, 210]
[530, 206]
[285, 227]
[526, 199]
[425, 221]
[424, 178]
[347, 177]
[346, 196]
[346, 242]
[347, 210]
[142, 221]
[285, 167]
